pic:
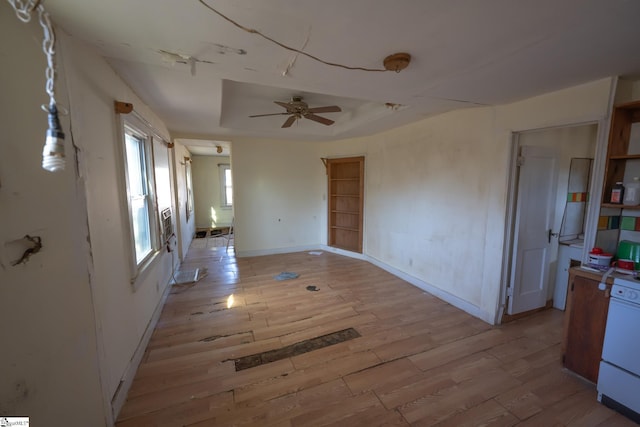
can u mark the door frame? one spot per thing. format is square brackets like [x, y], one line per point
[593, 208]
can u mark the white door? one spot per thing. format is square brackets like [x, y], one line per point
[533, 239]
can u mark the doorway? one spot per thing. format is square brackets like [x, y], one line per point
[539, 195]
[346, 202]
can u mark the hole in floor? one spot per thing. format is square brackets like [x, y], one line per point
[296, 349]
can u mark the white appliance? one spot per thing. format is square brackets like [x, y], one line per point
[619, 377]
[568, 252]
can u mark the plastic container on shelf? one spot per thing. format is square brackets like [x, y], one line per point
[629, 250]
[599, 259]
[632, 192]
[617, 193]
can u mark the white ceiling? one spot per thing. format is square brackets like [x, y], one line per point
[464, 53]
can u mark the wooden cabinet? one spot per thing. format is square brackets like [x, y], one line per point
[584, 324]
[623, 152]
[346, 201]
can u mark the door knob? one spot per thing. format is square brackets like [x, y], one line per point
[551, 234]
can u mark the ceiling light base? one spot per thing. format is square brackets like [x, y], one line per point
[397, 62]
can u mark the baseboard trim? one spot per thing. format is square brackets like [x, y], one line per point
[343, 252]
[276, 251]
[437, 292]
[120, 396]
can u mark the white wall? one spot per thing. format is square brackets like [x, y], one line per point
[48, 362]
[209, 211]
[278, 188]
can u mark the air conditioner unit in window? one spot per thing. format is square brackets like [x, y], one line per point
[167, 224]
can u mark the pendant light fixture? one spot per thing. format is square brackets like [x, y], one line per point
[53, 159]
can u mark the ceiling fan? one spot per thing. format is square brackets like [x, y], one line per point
[298, 109]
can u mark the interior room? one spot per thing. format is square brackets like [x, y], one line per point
[385, 214]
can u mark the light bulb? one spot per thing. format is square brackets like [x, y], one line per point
[53, 151]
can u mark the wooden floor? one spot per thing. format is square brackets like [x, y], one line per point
[419, 361]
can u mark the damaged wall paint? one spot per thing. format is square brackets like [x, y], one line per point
[19, 251]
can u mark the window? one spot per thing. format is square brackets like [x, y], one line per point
[140, 195]
[226, 188]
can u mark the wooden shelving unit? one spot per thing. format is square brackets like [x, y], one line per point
[618, 151]
[346, 202]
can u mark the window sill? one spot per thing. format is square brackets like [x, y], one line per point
[144, 269]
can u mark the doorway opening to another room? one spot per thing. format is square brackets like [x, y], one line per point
[212, 194]
[551, 180]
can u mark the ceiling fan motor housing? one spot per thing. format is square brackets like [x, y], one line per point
[298, 106]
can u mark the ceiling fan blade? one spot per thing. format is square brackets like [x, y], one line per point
[319, 119]
[289, 122]
[272, 114]
[329, 109]
[283, 104]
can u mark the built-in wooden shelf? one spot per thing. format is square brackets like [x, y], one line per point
[617, 206]
[337, 227]
[623, 117]
[346, 212]
[626, 157]
[346, 201]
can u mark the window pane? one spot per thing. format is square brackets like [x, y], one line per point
[229, 196]
[227, 187]
[141, 228]
[135, 165]
[139, 201]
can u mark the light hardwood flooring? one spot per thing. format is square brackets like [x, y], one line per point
[419, 361]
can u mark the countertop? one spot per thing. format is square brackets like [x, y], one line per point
[594, 274]
[575, 243]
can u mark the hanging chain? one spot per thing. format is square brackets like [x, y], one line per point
[24, 10]
[48, 46]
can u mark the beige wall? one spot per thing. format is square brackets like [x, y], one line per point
[278, 202]
[207, 193]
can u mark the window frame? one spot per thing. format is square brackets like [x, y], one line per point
[224, 203]
[139, 130]
[188, 182]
